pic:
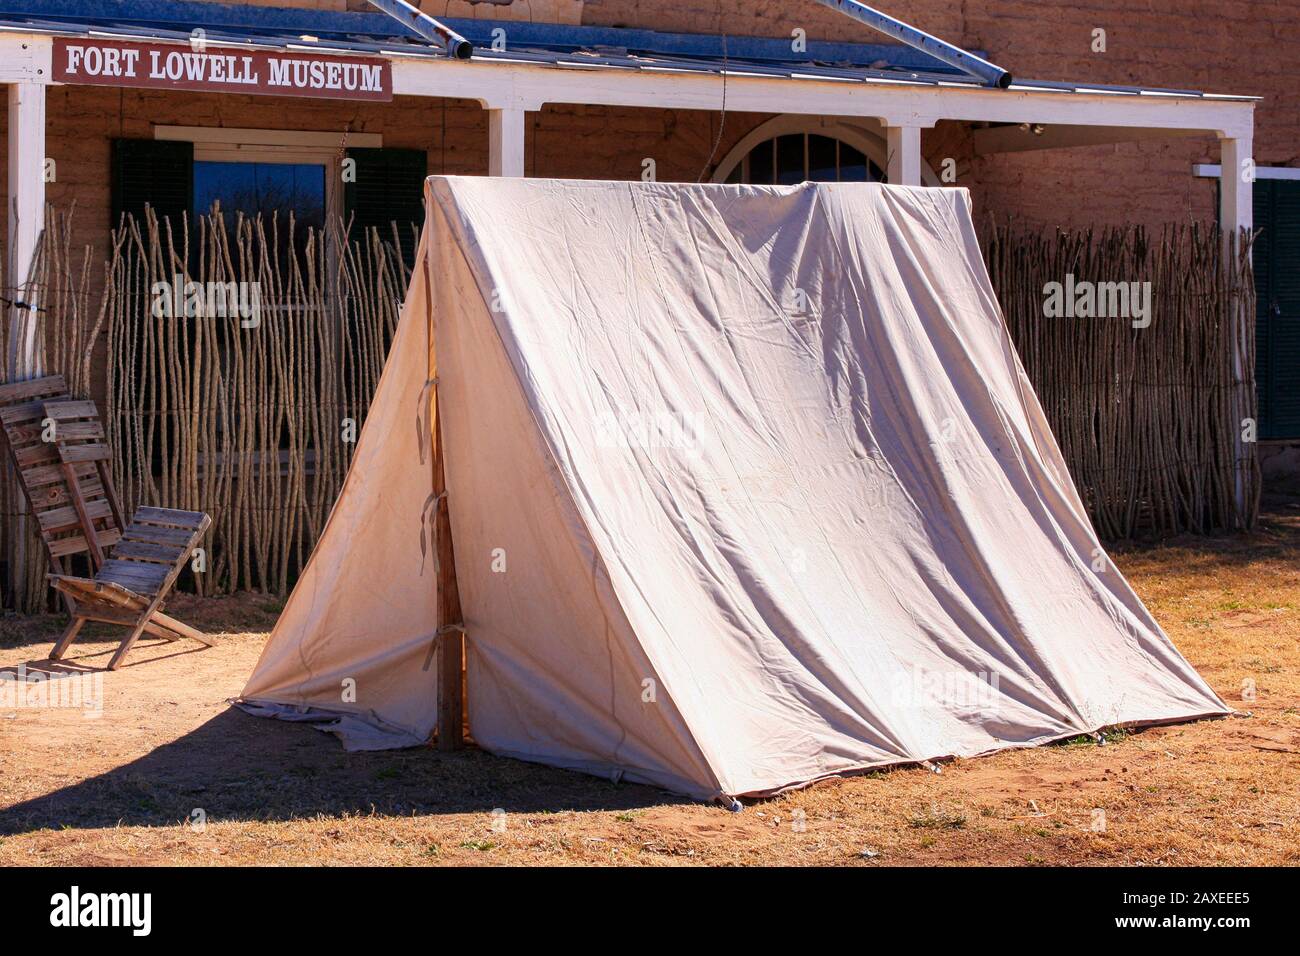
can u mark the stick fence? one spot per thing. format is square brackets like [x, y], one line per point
[1150, 419]
[253, 419]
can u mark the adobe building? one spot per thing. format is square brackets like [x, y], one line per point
[1113, 115]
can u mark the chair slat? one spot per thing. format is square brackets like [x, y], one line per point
[63, 547]
[24, 433]
[79, 431]
[78, 453]
[38, 475]
[40, 454]
[49, 496]
[52, 495]
[61, 519]
[147, 551]
[33, 388]
[62, 411]
[90, 589]
[170, 518]
[144, 579]
[154, 534]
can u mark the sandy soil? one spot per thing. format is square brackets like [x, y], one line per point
[124, 787]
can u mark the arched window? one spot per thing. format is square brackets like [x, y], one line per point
[798, 157]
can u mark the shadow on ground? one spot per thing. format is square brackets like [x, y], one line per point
[237, 767]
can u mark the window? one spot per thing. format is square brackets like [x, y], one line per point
[274, 191]
[265, 188]
[184, 170]
[798, 157]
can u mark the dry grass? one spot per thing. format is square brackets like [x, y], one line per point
[120, 788]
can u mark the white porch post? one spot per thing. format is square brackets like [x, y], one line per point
[1236, 184]
[1236, 212]
[26, 216]
[506, 141]
[903, 144]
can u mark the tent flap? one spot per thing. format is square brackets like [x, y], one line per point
[357, 635]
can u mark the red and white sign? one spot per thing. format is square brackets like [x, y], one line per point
[214, 69]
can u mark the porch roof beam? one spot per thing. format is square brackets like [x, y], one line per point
[528, 86]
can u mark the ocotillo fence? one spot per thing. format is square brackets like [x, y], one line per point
[249, 410]
[1154, 413]
[252, 418]
[240, 358]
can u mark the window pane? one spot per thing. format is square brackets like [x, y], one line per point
[790, 160]
[265, 188]
[821, 159]
[853, 165]
[760, 163]
[782, 160]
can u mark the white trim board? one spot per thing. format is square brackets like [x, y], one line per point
[1215, 170]
[283, 138]
[236, 144]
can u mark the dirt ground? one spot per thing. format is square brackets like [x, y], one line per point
[170, 774]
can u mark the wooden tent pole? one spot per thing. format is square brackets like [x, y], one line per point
[451, 655]
[451, 632]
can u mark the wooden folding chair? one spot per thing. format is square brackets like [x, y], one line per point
[64, 471]
[130, 586]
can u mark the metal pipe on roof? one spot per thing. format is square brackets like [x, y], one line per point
[429, 28]
[990, 73]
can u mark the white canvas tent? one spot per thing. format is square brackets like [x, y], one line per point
[746, 485]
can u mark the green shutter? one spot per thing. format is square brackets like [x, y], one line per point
[1277, 316]
[388, 188]
[158, 173]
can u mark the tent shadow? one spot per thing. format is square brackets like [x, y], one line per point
[240, 768]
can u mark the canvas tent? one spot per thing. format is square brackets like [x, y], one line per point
[746, 485]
